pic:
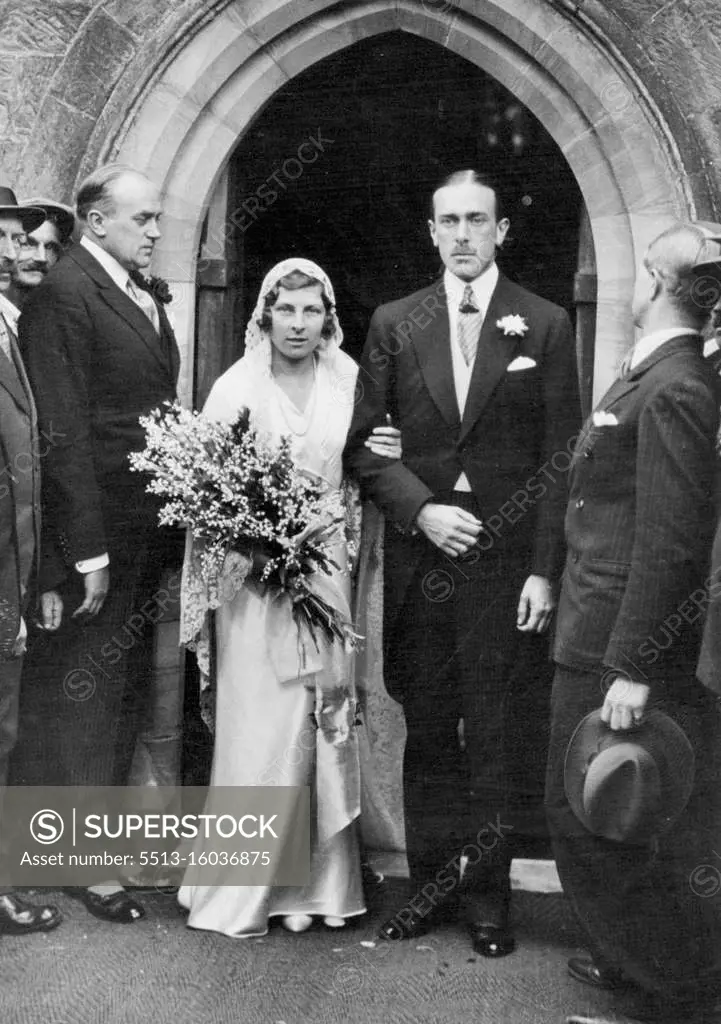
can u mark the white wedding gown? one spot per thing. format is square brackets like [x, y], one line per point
[264, 731]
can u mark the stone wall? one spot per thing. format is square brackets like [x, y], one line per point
[72, 70]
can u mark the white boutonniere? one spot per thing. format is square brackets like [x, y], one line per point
[601, 418]
[513, 325]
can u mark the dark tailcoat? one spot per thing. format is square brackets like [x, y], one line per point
[96, 364]
[639, 526]
[513, 441]
[450, 643]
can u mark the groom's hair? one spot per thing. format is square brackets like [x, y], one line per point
[473, 177]
[292, 282]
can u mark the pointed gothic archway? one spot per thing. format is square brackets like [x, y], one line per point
[190, 118]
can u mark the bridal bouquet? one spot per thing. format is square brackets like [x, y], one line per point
[236, 491]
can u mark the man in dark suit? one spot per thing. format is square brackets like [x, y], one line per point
[100, 353]
[639, 525]
[479, 375]
[19, 527]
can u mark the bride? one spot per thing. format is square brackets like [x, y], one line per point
[296, 382]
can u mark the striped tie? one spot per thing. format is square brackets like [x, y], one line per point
[470, 321]
[141, 298]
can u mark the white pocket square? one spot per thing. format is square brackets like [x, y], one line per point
[604, 419]
[521, 363]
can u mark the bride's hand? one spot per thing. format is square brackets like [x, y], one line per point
[385, 441]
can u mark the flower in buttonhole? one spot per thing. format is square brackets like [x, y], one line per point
[513, 325]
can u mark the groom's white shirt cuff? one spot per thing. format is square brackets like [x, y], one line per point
[86, 565]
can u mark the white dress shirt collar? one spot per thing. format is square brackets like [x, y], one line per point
[648, 344]
[10, 312]
[483, 287]
[110, 265]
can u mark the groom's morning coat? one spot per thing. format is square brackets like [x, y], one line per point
[514, 441]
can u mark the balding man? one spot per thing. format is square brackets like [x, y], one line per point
[639, 527]
[100, 354]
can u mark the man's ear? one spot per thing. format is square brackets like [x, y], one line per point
[656, 284]
[96, 222]
[502, 230]
[432, 229]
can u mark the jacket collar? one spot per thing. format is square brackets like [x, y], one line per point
[13, 377]
[122, 304]
[624, 385]
[495, 351]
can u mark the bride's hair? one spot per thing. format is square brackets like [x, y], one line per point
[292, 282]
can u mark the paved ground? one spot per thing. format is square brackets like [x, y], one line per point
[89, 972]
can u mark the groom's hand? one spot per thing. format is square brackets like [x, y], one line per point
[450, 528]
[97, 584]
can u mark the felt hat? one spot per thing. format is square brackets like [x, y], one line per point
[59, 212]
[30, 217]
[629, 786]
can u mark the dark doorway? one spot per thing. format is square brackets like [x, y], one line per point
[386, 119]
[392, 115]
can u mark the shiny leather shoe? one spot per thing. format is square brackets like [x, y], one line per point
[18, 917]
[491, 941]
[118, 907]
[407, 924]
[583, 968]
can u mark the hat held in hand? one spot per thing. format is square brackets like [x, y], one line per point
[629, 786]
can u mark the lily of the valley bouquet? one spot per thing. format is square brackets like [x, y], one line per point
[238, 492]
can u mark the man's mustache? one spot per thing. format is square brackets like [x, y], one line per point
[33, 266]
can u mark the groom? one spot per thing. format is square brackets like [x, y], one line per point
[479, 375]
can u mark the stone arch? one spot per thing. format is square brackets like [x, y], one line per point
[187, 121]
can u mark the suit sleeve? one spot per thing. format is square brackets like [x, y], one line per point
[562, 423]
[397, 492]
[674, 517]
[56, 338]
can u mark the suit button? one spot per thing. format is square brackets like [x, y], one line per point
[588, 454]
[580, 503]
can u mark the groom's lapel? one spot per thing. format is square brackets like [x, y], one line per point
[432, 345]
[495, 351]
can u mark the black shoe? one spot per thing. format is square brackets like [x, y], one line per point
[490, 941]
[406, 924]
[409, 923]
[18, 917]
[118, 907]
[583, 968]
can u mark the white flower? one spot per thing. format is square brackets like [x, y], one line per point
[513, 324]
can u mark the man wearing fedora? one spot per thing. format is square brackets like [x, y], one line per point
[19, 526]
[43, 248]
[629, 783]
